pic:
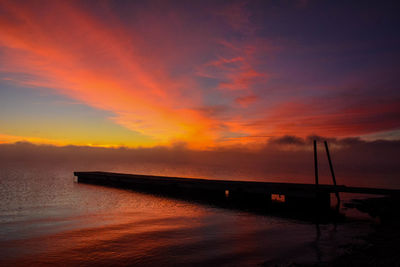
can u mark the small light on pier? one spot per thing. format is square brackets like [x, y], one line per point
[278, 198]
[226, 193]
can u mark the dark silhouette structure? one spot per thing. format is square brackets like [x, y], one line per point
[299, 196]
[310, 200]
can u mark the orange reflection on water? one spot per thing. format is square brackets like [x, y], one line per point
[51, 220]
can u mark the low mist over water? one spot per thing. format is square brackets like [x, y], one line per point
[287, 159]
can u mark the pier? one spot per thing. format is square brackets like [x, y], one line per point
[293, 195]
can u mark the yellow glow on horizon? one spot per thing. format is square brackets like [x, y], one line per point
[11, 139]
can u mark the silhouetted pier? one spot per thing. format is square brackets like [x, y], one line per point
[292, 194]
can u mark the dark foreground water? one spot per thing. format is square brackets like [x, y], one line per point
[47, 218]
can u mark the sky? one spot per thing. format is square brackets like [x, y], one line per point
[206, 74]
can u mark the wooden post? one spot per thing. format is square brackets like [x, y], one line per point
[317, 204]
[331, 168]
[316, 165]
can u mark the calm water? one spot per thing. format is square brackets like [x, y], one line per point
[47, 218]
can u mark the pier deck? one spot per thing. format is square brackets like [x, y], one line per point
[294, 193]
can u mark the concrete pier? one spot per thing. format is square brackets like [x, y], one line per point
[255, 193]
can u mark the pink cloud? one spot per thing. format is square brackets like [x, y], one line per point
[244, 101]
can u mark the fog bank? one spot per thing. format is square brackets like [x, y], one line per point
[288, 158]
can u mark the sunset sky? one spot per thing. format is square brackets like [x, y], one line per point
[204, 73]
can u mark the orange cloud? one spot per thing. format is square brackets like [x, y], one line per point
[71, 52]
[328, 118]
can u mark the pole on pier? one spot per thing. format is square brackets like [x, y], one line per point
[317, 205]
[316, 165]
[331, 168]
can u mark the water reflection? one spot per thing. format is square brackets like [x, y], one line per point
[46, 218]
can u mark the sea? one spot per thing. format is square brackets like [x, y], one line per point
[47, 218]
